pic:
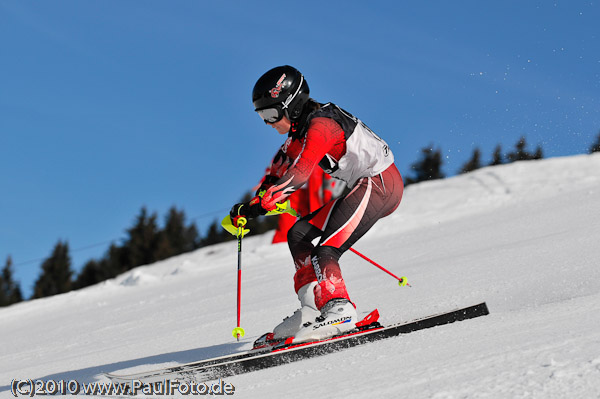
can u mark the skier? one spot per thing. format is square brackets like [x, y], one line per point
[322, 135]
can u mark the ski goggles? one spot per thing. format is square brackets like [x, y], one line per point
[271, 115]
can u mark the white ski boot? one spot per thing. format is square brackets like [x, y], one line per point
[338, 316]
[307, 313]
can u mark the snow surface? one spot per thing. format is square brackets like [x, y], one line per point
[523, 237]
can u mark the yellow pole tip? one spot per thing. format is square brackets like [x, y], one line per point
[238, 332]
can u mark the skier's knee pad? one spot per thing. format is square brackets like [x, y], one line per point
[326, 252]
[299, 232]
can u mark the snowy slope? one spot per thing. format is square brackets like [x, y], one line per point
[523, 237]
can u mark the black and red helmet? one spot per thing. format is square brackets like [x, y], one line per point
[280, 91]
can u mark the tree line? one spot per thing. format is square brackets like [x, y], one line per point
[429, 166]
[147, 242]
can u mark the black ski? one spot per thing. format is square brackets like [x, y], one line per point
[246, 362]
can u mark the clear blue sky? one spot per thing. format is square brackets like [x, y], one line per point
[108, 106]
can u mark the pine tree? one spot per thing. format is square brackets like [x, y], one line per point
[90, 274]
[146, 244]
[214, 234]
[596, 146]
[474, 163]
[9, 290]
[142, 245]
[116, 260]
[521, 153]
[56, 273]
[113, 263]
[497, 158]
[177, 238]
[429, 167]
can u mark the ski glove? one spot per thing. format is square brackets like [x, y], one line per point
[248, 210]
[267, 182]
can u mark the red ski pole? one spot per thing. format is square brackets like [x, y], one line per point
[401, 280]
[239, 331]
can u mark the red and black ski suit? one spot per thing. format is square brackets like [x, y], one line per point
[348, 150]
